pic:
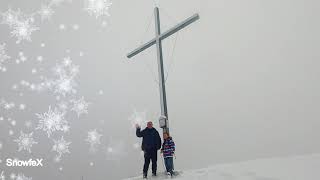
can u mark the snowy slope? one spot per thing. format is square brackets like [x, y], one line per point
[306, 167]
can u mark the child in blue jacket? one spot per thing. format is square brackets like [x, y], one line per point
[168, 148]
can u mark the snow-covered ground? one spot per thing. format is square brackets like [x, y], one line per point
[304, 167]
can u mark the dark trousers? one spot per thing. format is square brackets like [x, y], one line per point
[150, 155]
[169, 164]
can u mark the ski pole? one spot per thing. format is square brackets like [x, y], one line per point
[164, 166]
[174, 154]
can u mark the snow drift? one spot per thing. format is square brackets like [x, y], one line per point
[304, 167]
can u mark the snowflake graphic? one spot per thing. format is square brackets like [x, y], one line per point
[45, 12]
[25, 141]
[65, 72]
[74, 70]
[22, 30]
[98, 8]
[139, 118]
[93, 139]
[65, 128]
[57, 159]
[61, 147]
[51, 121]
[22, 177]
[22, 26]
[7, 105]
[47, 84]
[64, 85]
[63, 82]
[3, 57]
[10, 17]
[80, 106]
[22, 106]
[67, 61]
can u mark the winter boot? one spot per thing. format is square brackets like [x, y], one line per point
[144, 175]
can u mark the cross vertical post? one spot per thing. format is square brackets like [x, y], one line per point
[158, 42]
[162, 86]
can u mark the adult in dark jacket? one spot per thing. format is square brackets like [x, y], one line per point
[151, 143]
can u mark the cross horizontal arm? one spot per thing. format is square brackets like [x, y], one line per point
[141, 48]
[179, 26]
[164, 35]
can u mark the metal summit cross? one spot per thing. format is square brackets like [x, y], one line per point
[157, 40]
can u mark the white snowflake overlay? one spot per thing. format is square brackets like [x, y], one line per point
[60, 82]
[45, 12]
[93, 139]
[139, 118]
[80, 106]
[63, 81]
[61, 147]
[22, 29]
[22, 177]
[25, 141]
[98, 8]
[63, 86]
[7, 105]
[23, 25]
[52, 121]
[66, 73]
[3, 57]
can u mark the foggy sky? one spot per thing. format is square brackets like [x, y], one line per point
[242, 84]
